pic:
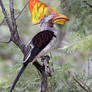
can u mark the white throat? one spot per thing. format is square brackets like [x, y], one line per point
[45, 25]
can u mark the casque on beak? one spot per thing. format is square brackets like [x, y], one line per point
[60, 19]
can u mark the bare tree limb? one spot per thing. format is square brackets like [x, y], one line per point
[6, 16]
[18, 15]
[45, 74]
[1, 22]
[82, 85]
[44, 83]
[13, 20]
[87, 4]
[13, 16]
[14, 33]
[5, 42]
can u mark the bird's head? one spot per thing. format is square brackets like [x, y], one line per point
[50, 20]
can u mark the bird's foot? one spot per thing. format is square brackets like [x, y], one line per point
[45, 60]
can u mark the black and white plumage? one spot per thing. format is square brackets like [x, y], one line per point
[41, 43]
[39, 47]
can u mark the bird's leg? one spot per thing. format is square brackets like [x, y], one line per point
[45, 60]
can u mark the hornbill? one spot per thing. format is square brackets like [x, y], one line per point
[44, 41]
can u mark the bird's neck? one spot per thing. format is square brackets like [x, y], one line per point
[45, 23]
[47, 26]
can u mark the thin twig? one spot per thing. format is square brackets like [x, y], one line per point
[5, 42]
[44, 83]
[88, 65]
[87, 4]
[6, 16]
[12, 14]
[1, 22]
[45, 74]
[18, 15]
[82, 85]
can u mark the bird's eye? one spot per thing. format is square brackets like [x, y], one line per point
[50, 23]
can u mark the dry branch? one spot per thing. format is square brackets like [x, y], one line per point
[87, 4]
[16, 15]
[82, 85]
[1, 22]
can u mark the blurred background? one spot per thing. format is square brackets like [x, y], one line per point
[73, 58]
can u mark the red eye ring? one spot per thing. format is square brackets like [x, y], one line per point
[50, 23]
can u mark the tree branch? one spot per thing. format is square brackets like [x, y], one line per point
[82, 85]
[18, 15]
[5, 15]
[1, 22]
[14, 33]
[45, 74]
[87, 4]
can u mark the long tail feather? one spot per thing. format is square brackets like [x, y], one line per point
[18, 76]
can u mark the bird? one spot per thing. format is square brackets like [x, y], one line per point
[45, 40]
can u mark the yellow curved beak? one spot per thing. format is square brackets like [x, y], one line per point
[60, 19]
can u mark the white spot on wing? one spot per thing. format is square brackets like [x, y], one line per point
[28, 52]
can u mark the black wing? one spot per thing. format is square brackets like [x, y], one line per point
[39, 41]
[42, 39]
